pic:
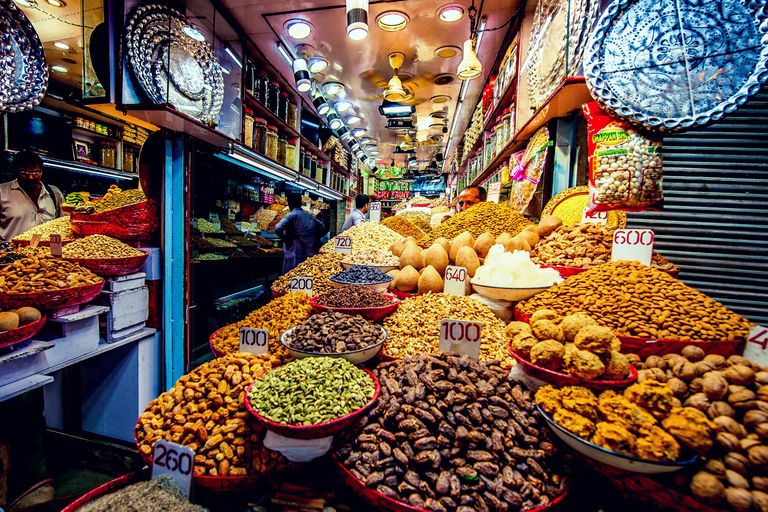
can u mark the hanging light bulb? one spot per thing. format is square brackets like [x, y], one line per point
[301, 75]
[469, 68]
[357, 19]
[333, 121]
[319, 102]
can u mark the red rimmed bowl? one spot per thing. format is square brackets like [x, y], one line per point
[20, 334]
[216, 352]
[108, 488]
[403, 295]
[313, 431]
[355, 356]
[52, 299]
[559, 379]
[373, 314]
[382, 502]
[276, 293]
[42, 243]
[136, 221]
[112, 267]
[645, 347]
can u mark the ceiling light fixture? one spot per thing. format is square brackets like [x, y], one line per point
[319, 102]
[393, 109]
[353, 119]
[333, 120]
[374, 151]
[56, 3]
[357, 19]
[448, 52]
[469, 68]
[450, 13]
[61, 46]
[366, 140]
[332, 88]
[59, 69]
[301, 75]
[392, 21]
[298, 29]
[358, 132]
[232, 56]
[342, 105]
[194, 33]
[26, 3]
[440, 98]
[317, 65]
[286, 55]
[395, 91]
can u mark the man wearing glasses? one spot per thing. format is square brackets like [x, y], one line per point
[470, 196]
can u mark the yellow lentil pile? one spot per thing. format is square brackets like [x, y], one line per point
[399, 224]
[481, 218]
[97, 247]
[119, 200]
[637, 300]
[367, 234]
[59, 226]
[319, 267]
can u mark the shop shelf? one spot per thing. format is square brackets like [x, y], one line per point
[308, 146]
[165, 116]
[260, 110]
[505, 101]
[97, 170]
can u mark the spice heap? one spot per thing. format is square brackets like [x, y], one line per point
[637, 300]
[361, 274]
[642, 422]
[218, 242]
[118, 200]
[210, 256]
[367, 234]
[44, 273]
[372, 256]
[97, 247]
[160, 493]
[455, 436]
[311, 391]
[263, 217]
[319, 267]
[243, 242]
[273, 223]
[59, 226]
[401, 225]
[333, 333]
[481, 218]
[415, 326]
[574, 344]
[27, 250]
[353, 296]
[205, 410]
[419, 219]
[229, 227]
[277, 316]
[513, 270]
[207, 227]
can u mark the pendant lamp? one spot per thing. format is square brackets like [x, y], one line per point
[357, 19]
[470, 67]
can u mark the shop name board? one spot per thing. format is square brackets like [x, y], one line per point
[460, 337]
[393, 195]
[393, 186]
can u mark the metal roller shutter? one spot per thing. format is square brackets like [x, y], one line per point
[714, 224]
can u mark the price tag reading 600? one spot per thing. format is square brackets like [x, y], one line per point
[343, 244]
[174, 460]
[301, 284]
[461, 337]
[254, 341]
[632, 245]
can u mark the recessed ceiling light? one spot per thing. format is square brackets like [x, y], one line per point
[450, 13]
[436, 126]
[374, 151]
[316, 65]
[26, 3]
[59, 69]
[56, 3]
[194, 33]
[448, 52]
[298, 29]
[353, 119]
[332, 88]
[366, 140]
[342, 105]
[358, 132]
[440, 98]
[438, 114]
[61, 46]
[392, 21]
[443, 79]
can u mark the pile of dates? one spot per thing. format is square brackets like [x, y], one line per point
[450, 434]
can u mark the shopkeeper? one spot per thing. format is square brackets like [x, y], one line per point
[470, 196]
[26, 202]
[297, 230]
[357, 216]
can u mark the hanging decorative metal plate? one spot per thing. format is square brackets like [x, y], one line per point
[23, 69]
[675, 64]
[172, 66]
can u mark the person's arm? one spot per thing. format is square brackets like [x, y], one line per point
[320, 228]
[281, 229]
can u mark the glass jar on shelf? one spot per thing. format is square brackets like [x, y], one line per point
[273, 96]
[282, 107]
[261, 87]
[107, 154]
[290, 153]
[324, 177]
[312, 167]
[260, 135]
[129, 160]
[250, 78]
[293, 114]
[506, 120]
[500, 141]
[248, 128]
[271, 142]
[306, 164]
[281, 149]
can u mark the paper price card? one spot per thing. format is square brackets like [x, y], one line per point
[174, 460]
[494, 192]
[343, 244]
[633, 245]
[56, 245]
[757, 345]
[375, 212]
[460, 337]
[455, 280]
[594, 218]
[214, 219]
[254, 341]
[302, 284]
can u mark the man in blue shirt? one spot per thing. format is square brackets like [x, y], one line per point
[357, 216]
[297, 231]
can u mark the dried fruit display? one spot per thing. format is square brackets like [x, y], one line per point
[483, 217]
[400, 224]
[333, 333]
[44, 273]
[59, 226]
[367, 234]
[319, 267]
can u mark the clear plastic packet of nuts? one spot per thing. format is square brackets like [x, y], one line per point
[624, 165]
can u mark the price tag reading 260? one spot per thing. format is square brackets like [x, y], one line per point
[455, 280]
[174, 460]
[343, 244]
[302, 284]
[460, 337]
[254, 341]
[633, 245]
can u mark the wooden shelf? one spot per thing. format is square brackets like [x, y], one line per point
[505, 101]
[165, 116]
[307, 145]
[336, 167]
[92, 133]
[260, 110]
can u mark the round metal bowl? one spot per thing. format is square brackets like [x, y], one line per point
[372, 314]
[354, 357]
[377, 287]
[508, 294]
[382, 268]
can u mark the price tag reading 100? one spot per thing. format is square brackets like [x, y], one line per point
[254, 341]
[632, 245]
[174, 460]
[343, 244]
[455, 280]
[302, 284]
[461, 337]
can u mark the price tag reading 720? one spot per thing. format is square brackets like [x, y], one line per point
[594, 218]
[632, 245]
[455, 280]
[302, 284]
[343, 244]
[254, 341]
[174, 460]
[460, 337]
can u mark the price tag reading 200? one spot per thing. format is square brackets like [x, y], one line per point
[343, 244]
[461, 337]
[174, 460]
[633, 245]
[455, 280]
[254, 341]
[302, 284]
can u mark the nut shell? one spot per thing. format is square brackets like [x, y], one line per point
[736, 479]
[706, 488]
[740, 374]
[715, 386]
[728, 441]
[730, 425]
[720, 409]
[739, 500]
[758, 455]
[738, 463]
[693, 353]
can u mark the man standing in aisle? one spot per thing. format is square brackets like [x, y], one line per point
[26, 202]
[357, 216]
[297, 231]
[470, 196]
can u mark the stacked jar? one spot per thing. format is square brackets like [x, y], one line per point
[290, 153]
[271, 152]
[273, 96]
[260, 135]
[248, 128]
[293, 114]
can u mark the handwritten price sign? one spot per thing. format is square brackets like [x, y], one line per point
[174, 460]
[254, 341]
[455, 280]
[594, 218]
[757, 345]
[633, 245]
[302, 284]
[375, 212]
[56, 245]
[343, 244]
[460, 337]
[494, 192]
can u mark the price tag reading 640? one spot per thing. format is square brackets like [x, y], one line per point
[455, 280]
[254, 341]
[461, 337]
[301, 284]
[632, 245]
[343, 244]
[174, 460]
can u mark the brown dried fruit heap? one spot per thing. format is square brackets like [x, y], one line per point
[481, 218]
[451, 435]
[319, 267]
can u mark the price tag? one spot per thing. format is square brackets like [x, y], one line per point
[301, 284]
[417, 194]
[494, 192]
[461, 337]
[375, 211]
[56, 245]
[594, 218]
[193, 222]
[455, 280]
[174, 460]
[239, 226]
[343, 244]
[633, 245]
[757, 345]
[232, 214]
[254, 341]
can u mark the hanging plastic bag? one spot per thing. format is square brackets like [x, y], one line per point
[298, 450]
[624, 166]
